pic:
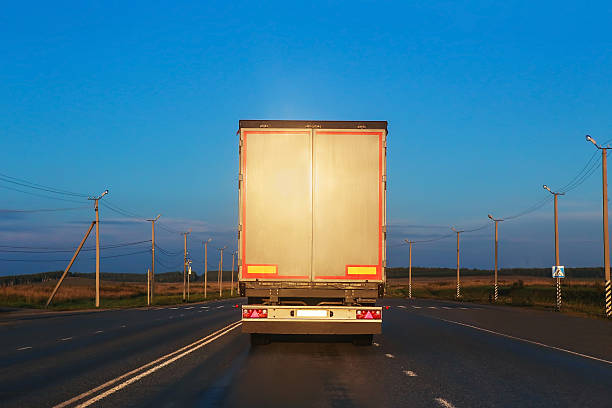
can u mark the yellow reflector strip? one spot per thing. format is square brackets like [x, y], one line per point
[261, 269]
[361, 270]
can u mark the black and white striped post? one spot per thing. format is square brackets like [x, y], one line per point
[558, 294]
[495, 278]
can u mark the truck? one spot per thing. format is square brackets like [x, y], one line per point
[312, 227]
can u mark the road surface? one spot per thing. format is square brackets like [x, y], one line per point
[431, 354]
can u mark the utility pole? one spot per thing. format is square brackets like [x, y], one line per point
[188, 278]
[496, 222]
[458, 280]
[233, 262]
[148, 287]
[153, 255]
[556, 195]
[606, 236]
[185, 265]
[206, 265]
[409, 268]
[220, 274]
[95, 200]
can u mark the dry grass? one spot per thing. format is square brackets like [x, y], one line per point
[77, 291]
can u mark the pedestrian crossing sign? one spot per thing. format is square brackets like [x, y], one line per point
[558, 271]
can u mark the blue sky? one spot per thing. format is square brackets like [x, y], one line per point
[485, 102]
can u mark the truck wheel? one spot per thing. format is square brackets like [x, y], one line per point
[363, 340]
[259, 339]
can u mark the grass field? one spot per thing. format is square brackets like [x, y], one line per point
[79, 293]
[579, 296]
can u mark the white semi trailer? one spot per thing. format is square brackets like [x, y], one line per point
[312, 227]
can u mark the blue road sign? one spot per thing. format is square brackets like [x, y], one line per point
[558, 271]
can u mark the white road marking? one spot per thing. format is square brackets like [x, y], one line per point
[410, 373]
[24, 348]
[200, 311]
[194, 346]
[188, 308]
[376, 344]
[99, 331]
[464, 308]
[124, 326]
[432, 307]
[526, 341]
[402, 306]
[389, 355]
[444, 403]
[446, 307]
[173, 308]
[204, 307]
[65, 339]
[416, 307]
[219, 307]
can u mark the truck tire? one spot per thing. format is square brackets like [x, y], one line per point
[259, 339]
[363, 339]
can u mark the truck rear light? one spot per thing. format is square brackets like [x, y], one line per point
[254, 313]
[368, 314]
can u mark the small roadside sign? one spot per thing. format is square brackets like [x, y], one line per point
[558, 271]
[189, 266]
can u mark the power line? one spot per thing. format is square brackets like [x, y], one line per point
[35, 186]
[53, 250]
[3, 210]
[67, 260]
[41, 195]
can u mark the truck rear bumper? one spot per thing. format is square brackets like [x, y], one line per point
[295, 320]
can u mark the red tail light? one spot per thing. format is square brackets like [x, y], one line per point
[368, 314]
[254, 313]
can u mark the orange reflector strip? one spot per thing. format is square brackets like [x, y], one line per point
[271, 269]
[361, 270]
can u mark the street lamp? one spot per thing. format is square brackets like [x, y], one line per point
[496, 222]
[606, 237]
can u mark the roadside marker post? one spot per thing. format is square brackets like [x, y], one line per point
[148, 287]
[409, 268]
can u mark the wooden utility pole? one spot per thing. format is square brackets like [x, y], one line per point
[233, 262]
[558, 283]
[95, 200]
[409, 268]
[206, 265]
[496, 222]
[220, 274]
[185, 266]
[70, 264]
[153, 255]
[606, 234]
[458, 279]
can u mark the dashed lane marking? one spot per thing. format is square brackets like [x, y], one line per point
[446, 307]
[99, 331]
[123, 326]
[154, 366]
[188, 308]
[376, 344]
[65, 339]
[416, 307]
[173, 308]
[410, 373]
[204, 307]
[24, 348]
[444, 403]
[431, 307]
[389, 355]
[402, 306]
[219, 307]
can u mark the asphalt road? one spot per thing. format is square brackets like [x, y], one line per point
[431, 354]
